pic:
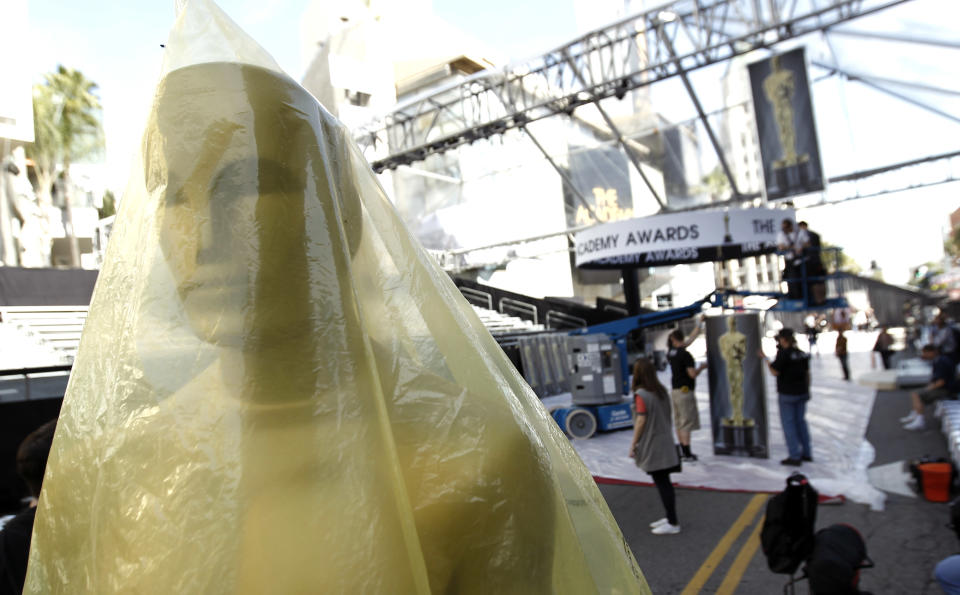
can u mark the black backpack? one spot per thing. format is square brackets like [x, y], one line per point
[954, 507]
[787, 533]
[839, 553]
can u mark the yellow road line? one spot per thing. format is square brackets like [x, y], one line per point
[723, 546]
[740, 563]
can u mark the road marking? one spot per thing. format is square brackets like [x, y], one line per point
[740, 563]
[754, 506]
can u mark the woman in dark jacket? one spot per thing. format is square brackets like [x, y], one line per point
[652, 447]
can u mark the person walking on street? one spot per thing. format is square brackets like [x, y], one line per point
[684, 372]
[652, 446]
[883, 346]
[812, 331]
[841, 351]
[791, 368]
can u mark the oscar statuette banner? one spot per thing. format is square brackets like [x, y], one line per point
[738, 415]
[783, 107]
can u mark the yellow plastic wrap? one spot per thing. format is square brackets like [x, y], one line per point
[278, 391]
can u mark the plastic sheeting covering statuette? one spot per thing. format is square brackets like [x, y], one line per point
[278, 391]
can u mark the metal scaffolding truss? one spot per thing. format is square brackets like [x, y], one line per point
[658, 44]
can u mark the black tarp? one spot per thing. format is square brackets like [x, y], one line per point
[553, 312]
[46, 287]
[888, 301]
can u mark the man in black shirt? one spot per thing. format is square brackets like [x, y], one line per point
[944, 338]
[15, 536]
[792, 370]
[814, 263]
[684, 372]
[943, 385]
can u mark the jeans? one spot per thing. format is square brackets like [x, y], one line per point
[947, 574]
[793, 409]
[885, 356]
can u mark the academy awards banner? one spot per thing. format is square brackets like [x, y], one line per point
[738, 414]
[785, 127]
[677, 238]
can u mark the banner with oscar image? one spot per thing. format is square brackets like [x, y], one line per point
[785, 127]
[738, 415]
[601, 176]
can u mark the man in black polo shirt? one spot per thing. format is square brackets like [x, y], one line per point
[944, 338]
[684, 371]
[792, 370]
[943, 385]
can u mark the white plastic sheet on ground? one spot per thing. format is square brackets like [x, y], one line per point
[278, 391]
[838, 413]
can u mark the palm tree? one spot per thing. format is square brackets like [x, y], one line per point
[835, 261]
[66, 112]
[715, 184]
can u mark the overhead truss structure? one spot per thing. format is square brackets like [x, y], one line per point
[670, 40]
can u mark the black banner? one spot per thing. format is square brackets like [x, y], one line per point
[788, 138]
[670, 257]
[46, 287]
[602, 176]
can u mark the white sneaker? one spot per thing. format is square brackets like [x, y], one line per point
[916, 425]
[909, 418]
[666, 529]
[658, 523]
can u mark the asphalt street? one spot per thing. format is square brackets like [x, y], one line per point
[718, 549]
